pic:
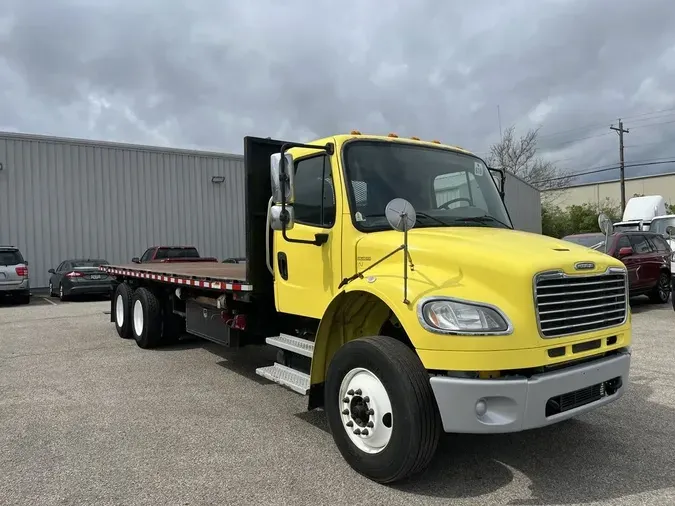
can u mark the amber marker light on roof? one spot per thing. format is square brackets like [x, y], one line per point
[392, 135]
[355, 132]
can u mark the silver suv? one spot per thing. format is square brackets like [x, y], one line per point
[14, 275]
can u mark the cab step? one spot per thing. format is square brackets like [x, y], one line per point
[293, 344]
[295, 380]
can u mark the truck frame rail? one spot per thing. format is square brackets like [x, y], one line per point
[213, 276]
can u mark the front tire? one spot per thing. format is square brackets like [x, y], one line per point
[381, 410]
[146, 319]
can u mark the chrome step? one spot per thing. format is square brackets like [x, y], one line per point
[295, 380]
[292, 343]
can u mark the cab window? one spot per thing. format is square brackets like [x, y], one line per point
[314, 192]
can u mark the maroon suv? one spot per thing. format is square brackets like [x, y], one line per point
[646, 256]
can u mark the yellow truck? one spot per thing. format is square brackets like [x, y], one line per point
[401, 300]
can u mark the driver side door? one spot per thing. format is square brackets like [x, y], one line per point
[306, 276]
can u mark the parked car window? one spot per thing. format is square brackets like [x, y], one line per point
[89, 263]
[60, 267]
[660, 244]
[147, 255]
[10, 257]
[163, 253]
[314, 194]
[623, 243]
[640, 244]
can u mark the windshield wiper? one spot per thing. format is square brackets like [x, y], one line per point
[437, 220]
[483, 219]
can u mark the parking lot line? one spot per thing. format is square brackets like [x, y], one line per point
[50, 301]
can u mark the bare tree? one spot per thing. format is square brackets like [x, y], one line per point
[519, 157]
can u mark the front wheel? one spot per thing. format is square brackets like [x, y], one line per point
[381, 410]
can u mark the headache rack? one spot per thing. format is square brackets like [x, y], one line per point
[571, 304]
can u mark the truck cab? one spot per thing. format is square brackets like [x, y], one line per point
[388, 244]
[640, 211]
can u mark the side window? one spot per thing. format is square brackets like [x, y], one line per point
[640, 244]
[623, 243]
[147, 255]
[65, 266]
[60, 267]
[660, 244]
[314, 192]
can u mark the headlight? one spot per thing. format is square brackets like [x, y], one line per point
[462, 317]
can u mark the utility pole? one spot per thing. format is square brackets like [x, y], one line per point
[620, 130]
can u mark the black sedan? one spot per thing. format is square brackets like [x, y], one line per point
[79, 277]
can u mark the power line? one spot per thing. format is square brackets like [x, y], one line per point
[603, 169]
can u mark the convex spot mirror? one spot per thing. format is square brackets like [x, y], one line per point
[276, 222]
[400, 214]
[275, 175]
[605, 224]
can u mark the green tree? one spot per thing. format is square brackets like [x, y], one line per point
[576, 219]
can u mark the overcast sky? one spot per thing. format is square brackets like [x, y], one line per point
[206, 74]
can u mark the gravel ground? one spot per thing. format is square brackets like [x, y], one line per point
[88, 418]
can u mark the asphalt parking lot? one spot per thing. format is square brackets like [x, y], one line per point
[89, 418]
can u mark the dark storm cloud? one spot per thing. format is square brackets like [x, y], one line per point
[206, 73]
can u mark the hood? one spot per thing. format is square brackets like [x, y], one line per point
[495, 250]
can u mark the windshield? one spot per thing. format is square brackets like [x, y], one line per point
[445, 188]
[659, 226]
[588, 240]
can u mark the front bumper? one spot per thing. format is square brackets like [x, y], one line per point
[510, 405]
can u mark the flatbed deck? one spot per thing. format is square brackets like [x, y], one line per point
[210, 275]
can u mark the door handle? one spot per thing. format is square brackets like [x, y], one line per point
[282, 262]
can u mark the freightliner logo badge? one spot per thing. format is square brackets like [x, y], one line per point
[584, 266]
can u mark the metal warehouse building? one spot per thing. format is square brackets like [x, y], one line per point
[70, 198]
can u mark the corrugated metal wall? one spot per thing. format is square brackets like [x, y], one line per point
[66, 198]
[524, 204]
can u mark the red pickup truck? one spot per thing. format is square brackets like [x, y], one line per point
[166, 254]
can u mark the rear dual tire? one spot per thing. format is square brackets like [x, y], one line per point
[381, 410]
[139, 315]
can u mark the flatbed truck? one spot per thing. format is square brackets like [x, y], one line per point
[401, 301]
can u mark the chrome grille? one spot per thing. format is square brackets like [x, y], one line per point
[572, 304]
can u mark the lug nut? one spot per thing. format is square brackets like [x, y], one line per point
[350, 392]
[370, 424]
[364, 432]
[358, 391]
[357, 432]
[366, 399]
[371, 412]
[345, 411]
[345, 400]
[350, 424]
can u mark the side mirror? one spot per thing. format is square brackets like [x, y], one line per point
[625, 251]
[136, 260]
[670, 231]
[282, 182]
[502, 180]
[51, 271]
[275, 218]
